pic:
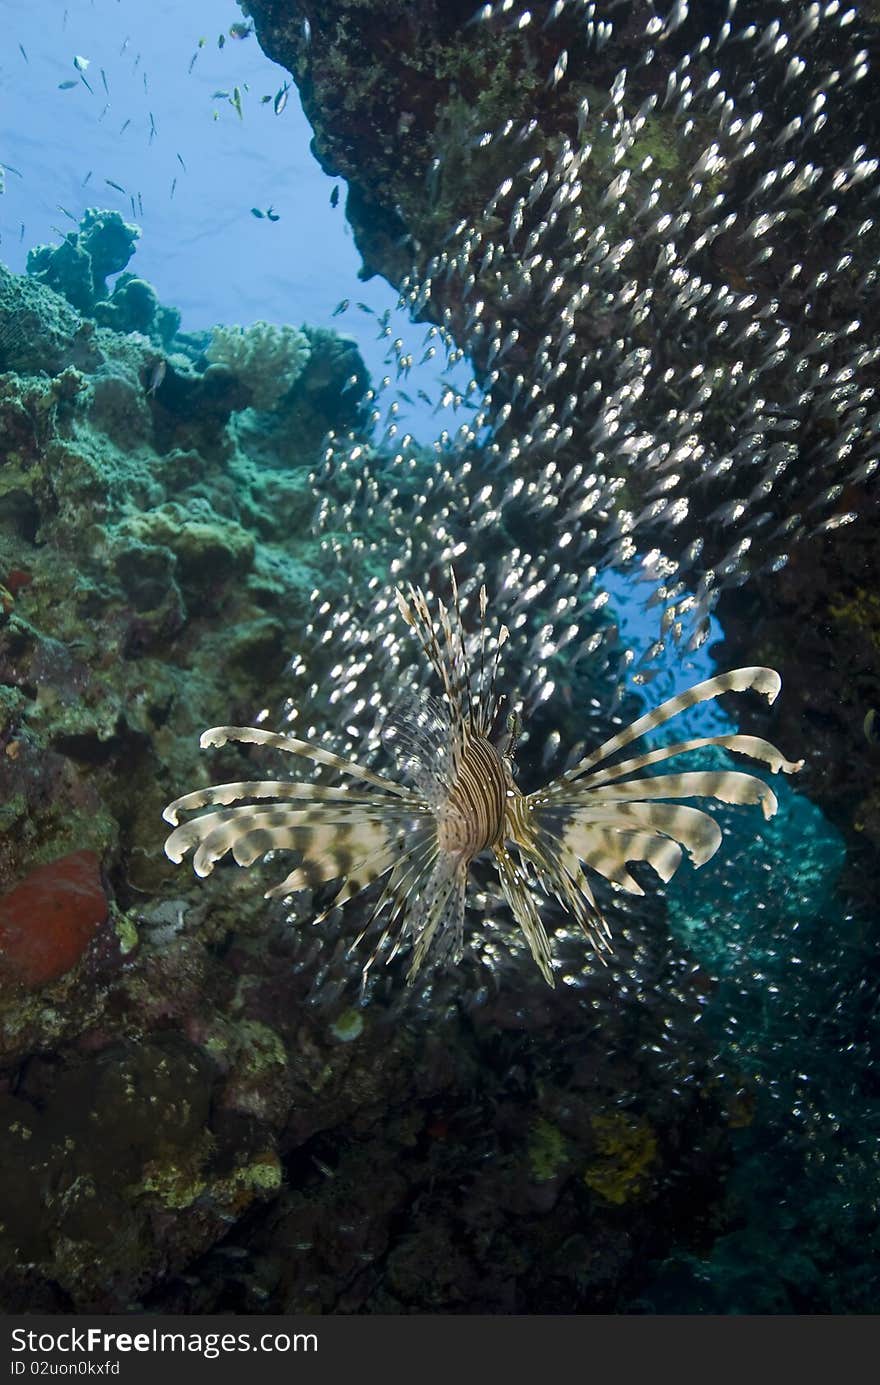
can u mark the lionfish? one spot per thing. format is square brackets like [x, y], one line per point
[460, 800]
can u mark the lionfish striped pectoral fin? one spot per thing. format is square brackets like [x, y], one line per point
[605, 818]
[354, 832]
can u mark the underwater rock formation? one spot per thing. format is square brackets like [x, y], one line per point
[80, 266]
[149, 565]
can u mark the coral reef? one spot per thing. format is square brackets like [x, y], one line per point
[149, 566]
[80, 266]
[267, 359]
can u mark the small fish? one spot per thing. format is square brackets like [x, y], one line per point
[68, 85]
[153, 130]
[104, 80]
[125, 125]
[81, 64]
[173, 187]
[86, 178]
[340, 307]
[456, 797]
[140, 205]
[235, 102]
[157, 375]
[272, 215]
[221, 41]
[281, 98]
[334, 196]
[21, 50]
[68, 214]
[21, 234]
[9, 169]
[219, 95]
[255, 211]
[192, 61]
[118, 186]
[180, 161]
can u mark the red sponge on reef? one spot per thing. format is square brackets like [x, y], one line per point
[50, 917]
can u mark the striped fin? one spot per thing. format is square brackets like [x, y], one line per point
[417, 614]
[410, 872]
[519, 894]
[753, 746]
[441, 912]
[729, 786]
[691, 828]
[362, 874]
[216, 833]
[448, 660]
[762, 680]
[557, 865]
[252, 735]
[252, 832]
[266, 788]
[606, 851]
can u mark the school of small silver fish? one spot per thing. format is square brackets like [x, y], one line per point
[675, 300]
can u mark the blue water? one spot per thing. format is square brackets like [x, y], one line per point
[201, 247]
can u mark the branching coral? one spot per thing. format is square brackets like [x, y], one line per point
[266, 358]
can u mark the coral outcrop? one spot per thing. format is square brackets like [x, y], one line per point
[268, 360]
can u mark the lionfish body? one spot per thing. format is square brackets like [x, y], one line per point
[460, 801]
